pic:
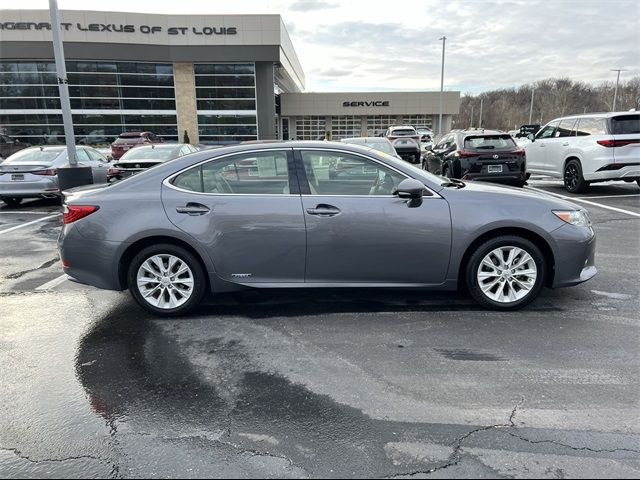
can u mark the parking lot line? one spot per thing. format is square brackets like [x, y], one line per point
[29, 223]
[19, 212]
[578, 199]
[610, 196]
[53, 283]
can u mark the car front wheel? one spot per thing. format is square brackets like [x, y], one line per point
[574, 182]
[166, 280]
[505, 273]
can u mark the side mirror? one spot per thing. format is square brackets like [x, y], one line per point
[531, 137]
[410, 188]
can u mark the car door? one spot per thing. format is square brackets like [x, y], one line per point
[436, 156]
[359, 232]
[536, 150]
[245, 211]
[99, 165]
[558, 145]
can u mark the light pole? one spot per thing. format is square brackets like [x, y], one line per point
[533, 91]
[615, 92]
[75, 175]
[471, 121]
[444, 40]
[480, 121]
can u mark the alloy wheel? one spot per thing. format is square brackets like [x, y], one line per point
[571, 176]
[507, 274]
[165, 281]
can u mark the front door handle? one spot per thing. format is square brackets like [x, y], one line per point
[324, 210]
[193, 209]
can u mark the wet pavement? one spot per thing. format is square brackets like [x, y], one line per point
[264, 384]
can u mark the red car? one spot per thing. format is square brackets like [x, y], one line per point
[9, 146]
[128, 140]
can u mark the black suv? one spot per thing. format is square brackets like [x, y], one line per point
[486, 155]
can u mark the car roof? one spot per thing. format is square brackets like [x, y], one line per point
[132, 134]
[481, 131]
[393, 127]
[157, 146]
[597, 114]
[365, 140]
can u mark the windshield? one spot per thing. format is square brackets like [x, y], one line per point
[34, 155]
[488, 142]
[150, 154]
[625, 124]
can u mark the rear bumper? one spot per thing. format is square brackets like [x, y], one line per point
[509, 177]
[47, 186]
[91, 262]
[631, 172]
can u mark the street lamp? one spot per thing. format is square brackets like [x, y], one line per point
[444, 40]
[615, 92]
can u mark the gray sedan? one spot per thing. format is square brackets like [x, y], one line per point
[32, 172]
[318, 214]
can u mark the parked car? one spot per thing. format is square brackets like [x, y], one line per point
[9, 146]
[128, 140]
[190, 229]
[32, 172]
[377, 143]
[146, 156]
[406, 141]
[487, 155]
[426, 134]
[583, 149]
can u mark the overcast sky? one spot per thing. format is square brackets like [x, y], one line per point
[393, 45]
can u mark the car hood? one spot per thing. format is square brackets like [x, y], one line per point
[502, 193]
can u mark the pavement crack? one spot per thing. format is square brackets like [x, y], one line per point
[20, 455]
[47, 264]
[566, 445]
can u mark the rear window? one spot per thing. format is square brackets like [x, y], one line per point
[142, 153]
[489, 142]
[124, 138]
[33, 156]
[625, 124]
[403, 132]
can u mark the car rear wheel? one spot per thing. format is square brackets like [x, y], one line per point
[574, 182]
[12, 201]
[505, 273]
[166, 280]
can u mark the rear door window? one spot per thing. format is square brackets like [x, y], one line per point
[565, 129]
[625, 124]
[591, 126]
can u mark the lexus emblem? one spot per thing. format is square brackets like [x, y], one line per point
[496, 156]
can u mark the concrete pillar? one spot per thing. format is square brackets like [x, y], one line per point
[363, 126]
[265, 101]
[186, 109]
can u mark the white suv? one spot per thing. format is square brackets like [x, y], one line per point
[582, 149]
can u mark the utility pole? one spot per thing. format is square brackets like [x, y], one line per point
[471, 121]
[480, 121]
[444, 40]
[533, 91]
[63, 85]
[615, 92]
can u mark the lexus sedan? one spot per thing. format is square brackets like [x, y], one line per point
[146, 156]
[33, 172]
[315, 215]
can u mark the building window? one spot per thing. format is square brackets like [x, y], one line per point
[226, 102]
[310, 127]
[125, 96]
[418, 121]
[378, 124]
[345, 127]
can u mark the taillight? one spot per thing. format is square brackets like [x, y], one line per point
[48, 172]
[618, 143]
[76, 212]
[464, 154]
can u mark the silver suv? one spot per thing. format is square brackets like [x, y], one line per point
[582, 149]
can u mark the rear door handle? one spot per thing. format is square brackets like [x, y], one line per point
[193, 209]
[324, 210]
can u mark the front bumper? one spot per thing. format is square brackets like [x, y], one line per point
[574, 256]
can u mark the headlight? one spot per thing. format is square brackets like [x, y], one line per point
[579, 218]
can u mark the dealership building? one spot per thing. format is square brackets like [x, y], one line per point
[219, 78]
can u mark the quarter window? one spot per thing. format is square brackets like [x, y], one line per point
[565, 129]
[264, 173]
[338, 173]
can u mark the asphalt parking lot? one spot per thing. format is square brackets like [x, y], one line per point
[321, 384]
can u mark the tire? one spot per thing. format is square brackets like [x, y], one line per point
[12, 202]
[166, 291]
[574, 182]
[505, 292]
